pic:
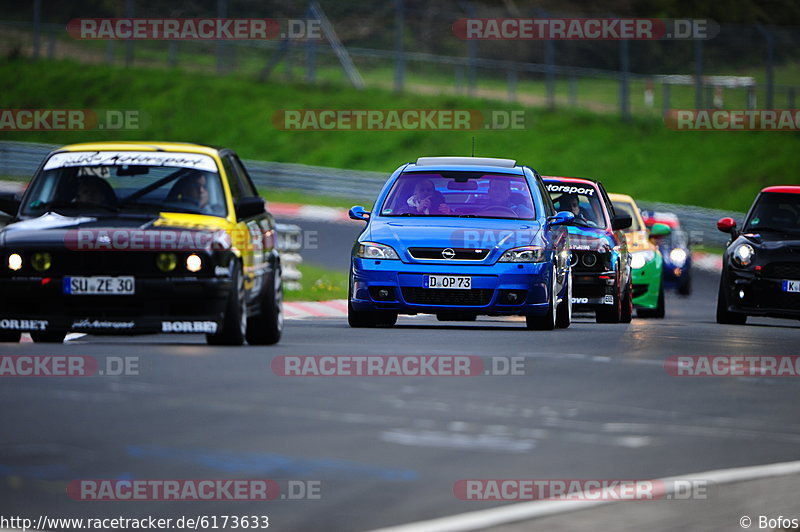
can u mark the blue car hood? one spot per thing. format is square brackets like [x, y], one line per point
[475, 233]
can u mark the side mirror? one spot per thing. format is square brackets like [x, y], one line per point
[621, 222]
[359, 213]
[561, 218]
[249, 208]
[727, 225]
[660, 229]
[9, 203]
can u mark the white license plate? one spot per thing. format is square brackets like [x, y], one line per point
[791, 286]
[99, 285]
[457, 282]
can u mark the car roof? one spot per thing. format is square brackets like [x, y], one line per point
[466, 161]
[785, 189]
[184, 147]
[621, 198]
[669, 218]
[582, 180]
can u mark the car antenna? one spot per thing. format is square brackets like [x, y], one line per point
[473, 145]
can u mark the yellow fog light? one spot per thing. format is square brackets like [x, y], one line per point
[166, 262]
[194, 263]
[41, 262]
[15, 261]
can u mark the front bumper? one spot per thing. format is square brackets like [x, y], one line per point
[646, 283]
[591, 290]
[165, 304]
[491, 292]
[755, 295]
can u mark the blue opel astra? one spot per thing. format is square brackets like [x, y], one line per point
[460, 237]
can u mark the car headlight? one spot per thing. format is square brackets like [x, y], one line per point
[15, 262]
[677, 256]
[640, 258]
[194, 263]
[524, 254]
[372, 250]
[743, 254]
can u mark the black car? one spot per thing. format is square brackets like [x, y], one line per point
[761, 265]
[601, 264]
[136, 238]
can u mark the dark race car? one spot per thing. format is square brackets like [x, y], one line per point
[761, 265]
[136, 238]
[601, 264]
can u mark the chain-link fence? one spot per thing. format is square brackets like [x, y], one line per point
[409, 45]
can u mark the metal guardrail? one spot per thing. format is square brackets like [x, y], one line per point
[290, 242]
[21, 159]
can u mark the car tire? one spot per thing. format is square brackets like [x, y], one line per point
[610, 313]
[48, 337]
[360, 319]
[266, 328]
[10, 337]
[685, 287]
[627, 305]
[564, 309]
[548, 321]
[725, 316]
[234, 322]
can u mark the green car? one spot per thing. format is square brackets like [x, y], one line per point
[647, 262]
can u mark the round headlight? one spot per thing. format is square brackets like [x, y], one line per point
[166, 262]
[743, 255]
[589, 259]
[15, 262]
[194, 263]
[41, 261]
[677, 256]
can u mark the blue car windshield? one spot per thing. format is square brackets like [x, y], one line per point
[460, 193]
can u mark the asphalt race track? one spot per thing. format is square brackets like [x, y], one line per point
[595, 402]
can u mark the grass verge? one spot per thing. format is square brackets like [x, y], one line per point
[319, 284]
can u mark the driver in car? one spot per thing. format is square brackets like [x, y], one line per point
[93, 189]
[192, 189]
[571, 203]
[501, 196]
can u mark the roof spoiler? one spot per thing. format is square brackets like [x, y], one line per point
[472, 161]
